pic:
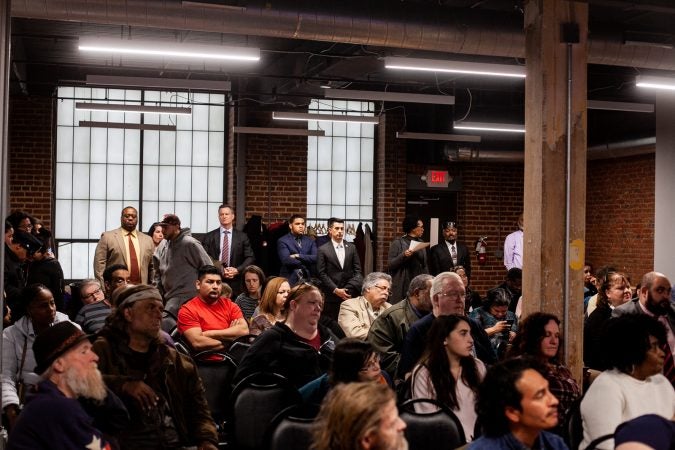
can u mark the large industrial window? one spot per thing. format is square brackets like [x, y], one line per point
[340, 166]
[99, 171]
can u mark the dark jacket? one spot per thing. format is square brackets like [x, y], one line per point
[402, 269]
[241, 254]
[440, 259]
[181, 384]
[15, 281]
[49, 273]
[278, 350]
[304, 265]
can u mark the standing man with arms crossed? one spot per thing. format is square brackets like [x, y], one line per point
[297, 252]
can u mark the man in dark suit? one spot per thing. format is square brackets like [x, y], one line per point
[231, 247]
[449, 253]
[654, 299]
[339, 269]
[297, 252]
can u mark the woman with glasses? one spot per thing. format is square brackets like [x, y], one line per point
[358, 314]
[353, 360]
[448, 372]
[299, 347]
[271, 303]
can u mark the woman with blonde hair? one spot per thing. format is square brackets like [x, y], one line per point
[271, 304]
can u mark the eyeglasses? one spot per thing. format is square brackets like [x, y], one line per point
[92, 294]
[452, 294]
[372, 364]
[383, 288]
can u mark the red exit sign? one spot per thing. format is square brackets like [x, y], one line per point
[438, 178]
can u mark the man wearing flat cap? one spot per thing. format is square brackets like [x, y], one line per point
[53, 417]
[449, 252]
[159, 386]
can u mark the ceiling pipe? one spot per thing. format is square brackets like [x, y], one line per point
[371, 22]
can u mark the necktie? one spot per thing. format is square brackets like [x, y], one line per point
[299, 241]
[134, 271]
[225, 255]
[453, 253]
[341, 255]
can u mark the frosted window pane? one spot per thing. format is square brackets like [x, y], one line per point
[167, 176]
[367, 155]
[131, 176]
[212, 216]
[99, 145]
[311, 210]
[152, 119]
[340, 105]
[183, 184]
[63, 219]
[150, 215]
[339, 149]
[115, 185]
[183, 147]
[366, 212]
[312, 144]
[323, 187]
[132, 146]
[64, 255]
[184, 211]
[80, 181]
[215, 184]
[353, 154]
[64, 180]
[200, 149]
[199, 213]
[199, 184]
[81, 145]
[339, 129]
[353, 129]
[218, 99]
[65, 111]
[151, 147]
[366, 188]
[338, 211]
[200, 117]
[113, 213]
[133, 94]
[97, 181]
[167, 146]
[184, 122]
[368, 130]
[323, 212]
[150, 182]
[352, 212]
[80, 211]
[338, 188]
[217, 149]
[311, 187]
[167, 208]
[116, 94]
[325, 126]
[115, 146]
[132, 117]
[324, 153]
[64, 144]
[81, 114]
[81, 263]
[353, 188]
[82, 92]
[99, 116]
[96, 219]
[116, 116]
[217, 118]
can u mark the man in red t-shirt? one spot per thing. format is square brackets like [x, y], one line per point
[209, 321]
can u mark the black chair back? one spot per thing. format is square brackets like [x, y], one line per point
[437, 430]
[573, 428]
[217, 378]
[239, 347]
[293, 428]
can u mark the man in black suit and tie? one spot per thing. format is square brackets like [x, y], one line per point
[339, 269]
[231, 247]
[449, 253]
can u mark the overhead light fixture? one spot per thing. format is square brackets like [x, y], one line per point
[172, 49]
[159, 83]
[279, 131]
[620, 106]
[324, 117]
[434, 65]
[648, 81]
[389, 96]
[437, 137]
[127, 126]
[183, 111]
[485, 126]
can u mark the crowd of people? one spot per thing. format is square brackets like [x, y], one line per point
[344, 338]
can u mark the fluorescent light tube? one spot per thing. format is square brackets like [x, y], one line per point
[471, 68]
[324, 117]
[127, 126]
[389, 96]
[161, 83]
[620, 106]
[173, 49]
[133, 108]
[647, 81]
[437, 137]
[484, 126]
[279, 131]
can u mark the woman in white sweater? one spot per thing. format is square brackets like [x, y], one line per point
[448, 371]
[634, 386]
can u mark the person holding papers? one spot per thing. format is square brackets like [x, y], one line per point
[407, 257]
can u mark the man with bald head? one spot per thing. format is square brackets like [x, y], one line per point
[654, 300]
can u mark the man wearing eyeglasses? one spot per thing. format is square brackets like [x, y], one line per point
[358, 314]
[447, 297]
[96, 309]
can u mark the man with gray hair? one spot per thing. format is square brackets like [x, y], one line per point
[358, 314]
[388, 332]
[447, 297]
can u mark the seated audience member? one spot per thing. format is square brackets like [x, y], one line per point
[299, 348]
[359, 416]
[613, 291]
[648, 432]
[18, 360]
[271, 306]
[53, 417]
[388, 331]
[634, 385]
[499, 323]
[358, 314]
[353, 360]
[159, 386]
[590, 289]
[447, 297]
[209, 322]
[472, 299]
[512, 285]
[515, 407]
[97, 305]
[448, 371]
[249, 300]
[17, 257]
[591, 301]
[539, 337]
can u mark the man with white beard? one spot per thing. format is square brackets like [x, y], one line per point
[53, 416]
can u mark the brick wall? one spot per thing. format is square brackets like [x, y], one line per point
[30, 156]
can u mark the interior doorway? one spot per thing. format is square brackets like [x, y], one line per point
[433, 208]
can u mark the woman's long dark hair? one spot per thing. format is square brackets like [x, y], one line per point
[349, 357]
[435, 359]
[530, 334]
